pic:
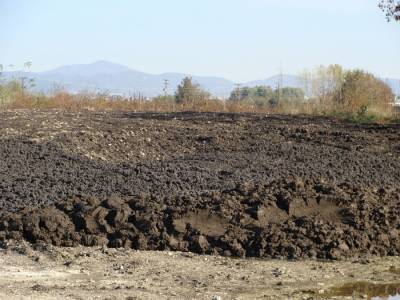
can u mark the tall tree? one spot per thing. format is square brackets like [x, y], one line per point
[322, 82]
[190, 92]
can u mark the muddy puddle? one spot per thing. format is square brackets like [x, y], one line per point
[366, 290]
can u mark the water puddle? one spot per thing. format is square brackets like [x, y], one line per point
[366, 290]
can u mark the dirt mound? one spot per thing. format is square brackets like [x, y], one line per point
[282, 219]
[229, 184]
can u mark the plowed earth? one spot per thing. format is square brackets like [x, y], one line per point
[227, 184]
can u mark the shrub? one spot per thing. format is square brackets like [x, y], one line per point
[362, 93]
[265, 96]
[9, 92]
[189, 92]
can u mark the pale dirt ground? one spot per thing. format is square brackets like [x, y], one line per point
[96, 273]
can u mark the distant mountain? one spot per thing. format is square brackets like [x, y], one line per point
[278, 80]
[87, 70]
[104, 76]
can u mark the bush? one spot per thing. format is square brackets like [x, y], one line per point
[9, 92]
[189, 92]
[362, 93]
[265, 96]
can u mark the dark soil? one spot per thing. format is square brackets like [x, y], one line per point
[229, 184]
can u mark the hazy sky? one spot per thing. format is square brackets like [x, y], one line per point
[237, 39]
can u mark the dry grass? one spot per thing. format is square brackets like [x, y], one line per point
[70, 102]
[78, 102]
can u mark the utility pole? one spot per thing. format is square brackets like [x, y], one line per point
[237, 96]
[165, 89]
[22, 79]
[280, 82]
[27, 65]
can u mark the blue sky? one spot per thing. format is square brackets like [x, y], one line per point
[237, 39]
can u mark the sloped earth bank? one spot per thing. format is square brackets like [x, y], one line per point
[227, 184]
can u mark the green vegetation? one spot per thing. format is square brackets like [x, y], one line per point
[362, 93]
[354, 95]
[189, 92]
[9, 92]
[12, 90]
[266, 97]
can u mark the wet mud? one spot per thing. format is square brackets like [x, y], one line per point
[227, 184]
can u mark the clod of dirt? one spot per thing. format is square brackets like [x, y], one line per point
[233, 185]
[313, 226]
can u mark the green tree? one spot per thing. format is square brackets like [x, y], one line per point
[292, 94]
[190, 92]
[262, 96]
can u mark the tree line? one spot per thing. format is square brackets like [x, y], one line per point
[353, 91]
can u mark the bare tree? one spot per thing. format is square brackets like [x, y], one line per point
[391, 9]
[322, 82]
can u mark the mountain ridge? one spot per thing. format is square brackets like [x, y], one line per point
[104, 76]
